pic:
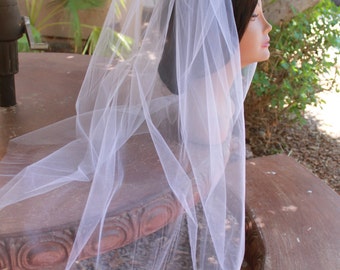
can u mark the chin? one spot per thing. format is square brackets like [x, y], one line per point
[264, 57]
[259, 57]
[267, 55]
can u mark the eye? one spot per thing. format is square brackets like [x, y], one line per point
[254, 16]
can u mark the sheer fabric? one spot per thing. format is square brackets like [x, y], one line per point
[124, 110]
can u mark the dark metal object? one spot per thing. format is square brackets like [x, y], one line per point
[12, 27]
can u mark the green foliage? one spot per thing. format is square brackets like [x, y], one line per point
[34, 8]
[92, 41]
[119, 5]
[289, 81]
[57, 7]
[73, 7]
[120, 44]
[23, 45]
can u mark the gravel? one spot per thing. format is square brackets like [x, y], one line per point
[315, 144]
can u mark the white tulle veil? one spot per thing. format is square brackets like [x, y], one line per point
[179, 138]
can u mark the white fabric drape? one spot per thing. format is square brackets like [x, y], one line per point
[197, 136]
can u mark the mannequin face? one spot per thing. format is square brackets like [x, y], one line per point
[254, 45]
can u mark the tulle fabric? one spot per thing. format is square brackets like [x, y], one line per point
[196, 135]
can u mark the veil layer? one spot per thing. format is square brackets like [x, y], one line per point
[134, 136]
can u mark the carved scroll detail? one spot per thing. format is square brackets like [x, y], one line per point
[4, 256]
[158, 214]
[48, 249]
[119, 231]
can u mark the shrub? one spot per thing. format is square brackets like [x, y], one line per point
[300, 54]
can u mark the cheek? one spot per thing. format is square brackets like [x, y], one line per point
[251, 47]
[246, 49]
[245, 46]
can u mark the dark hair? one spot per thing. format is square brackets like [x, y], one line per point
[243, 15]
[243, 10]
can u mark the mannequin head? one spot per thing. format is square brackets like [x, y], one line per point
[243, 17]
[254, 38]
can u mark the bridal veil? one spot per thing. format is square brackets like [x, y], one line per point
[177, 94]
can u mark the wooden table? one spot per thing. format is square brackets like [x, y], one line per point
[297, 215]
[293, 218]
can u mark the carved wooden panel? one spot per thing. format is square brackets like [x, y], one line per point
[50, 250]
[37, 251]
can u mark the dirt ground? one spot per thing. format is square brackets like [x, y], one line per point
[316, 144]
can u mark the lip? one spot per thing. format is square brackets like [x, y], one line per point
[266, 44]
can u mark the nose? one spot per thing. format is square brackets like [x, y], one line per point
[267, 26]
